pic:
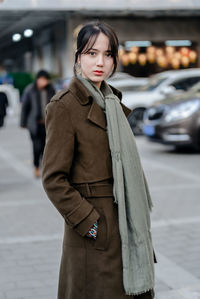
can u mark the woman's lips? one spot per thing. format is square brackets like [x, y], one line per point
[98, 73]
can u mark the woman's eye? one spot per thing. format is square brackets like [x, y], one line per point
[108, 54]
[91, 53]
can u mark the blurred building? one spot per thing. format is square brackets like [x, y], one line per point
[154, 36]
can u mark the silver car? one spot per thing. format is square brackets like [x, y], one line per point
[175, 121]
[159, 87]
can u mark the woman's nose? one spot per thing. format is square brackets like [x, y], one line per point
[100, 60]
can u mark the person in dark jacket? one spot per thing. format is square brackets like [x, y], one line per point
[34, 100]
[3, 106]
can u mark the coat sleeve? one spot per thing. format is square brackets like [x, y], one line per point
[25, 109]
[57, 161]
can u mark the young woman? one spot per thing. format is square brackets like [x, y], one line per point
[93, 176]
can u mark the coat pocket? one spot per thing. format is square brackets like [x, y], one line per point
[101, 242]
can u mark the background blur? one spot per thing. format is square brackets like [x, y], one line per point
[154, 36]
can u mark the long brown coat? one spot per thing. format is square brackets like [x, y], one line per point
[78, 179]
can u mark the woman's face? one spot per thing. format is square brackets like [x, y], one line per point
[97, 64]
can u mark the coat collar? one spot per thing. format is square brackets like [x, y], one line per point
[79, 91]
[95, 114]
[82, 94]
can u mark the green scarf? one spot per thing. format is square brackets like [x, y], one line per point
[130, 192]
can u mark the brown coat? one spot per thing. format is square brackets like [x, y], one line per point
[78, 179]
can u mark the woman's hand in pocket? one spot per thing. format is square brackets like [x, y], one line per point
[92, 233]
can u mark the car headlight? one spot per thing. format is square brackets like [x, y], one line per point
[182, 111]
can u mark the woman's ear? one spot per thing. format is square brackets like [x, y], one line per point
[79, 59]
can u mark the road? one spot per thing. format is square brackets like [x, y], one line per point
[31, 229]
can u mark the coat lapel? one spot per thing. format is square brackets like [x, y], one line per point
[96, 115]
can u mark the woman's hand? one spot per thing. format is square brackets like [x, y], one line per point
[92, 233]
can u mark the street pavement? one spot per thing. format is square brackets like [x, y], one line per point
[31, 229]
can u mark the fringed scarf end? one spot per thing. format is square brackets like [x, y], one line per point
[131, 293]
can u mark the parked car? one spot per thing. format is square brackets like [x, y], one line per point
[126, 82]
[175, 121]
[158, 88]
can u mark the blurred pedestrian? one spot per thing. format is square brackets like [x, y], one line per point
[34, 100]
[93, 176]
[5, 78]
[3, 107]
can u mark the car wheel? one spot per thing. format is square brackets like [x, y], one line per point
[136, 120]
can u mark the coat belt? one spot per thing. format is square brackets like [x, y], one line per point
[94, 190]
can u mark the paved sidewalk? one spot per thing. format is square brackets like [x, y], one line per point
[31, 229]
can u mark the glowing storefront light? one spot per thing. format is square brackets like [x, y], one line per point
[178, 43]
[28, 32]
[142, 43]
[16, 37]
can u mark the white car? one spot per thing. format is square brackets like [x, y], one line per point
[124, 81]
[158, 87]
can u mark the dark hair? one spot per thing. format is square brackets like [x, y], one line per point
[43, 73]
[87, 37]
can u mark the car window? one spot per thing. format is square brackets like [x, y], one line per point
[154, 82]
[195, 88]
[186, 83]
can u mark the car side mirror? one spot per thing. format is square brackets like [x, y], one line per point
[168, 90]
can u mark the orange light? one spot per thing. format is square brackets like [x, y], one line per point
[184, 51]
[159, 52]
[132, 57]
[175, 63]
[177, 55]
[162, 61]
[185, 61]
[151, 57]
[151, 50]
[125, 59]
[134, 49]
[121, 52]
[169, 50]
[192, 56]
[142, 59]
[76, 30]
